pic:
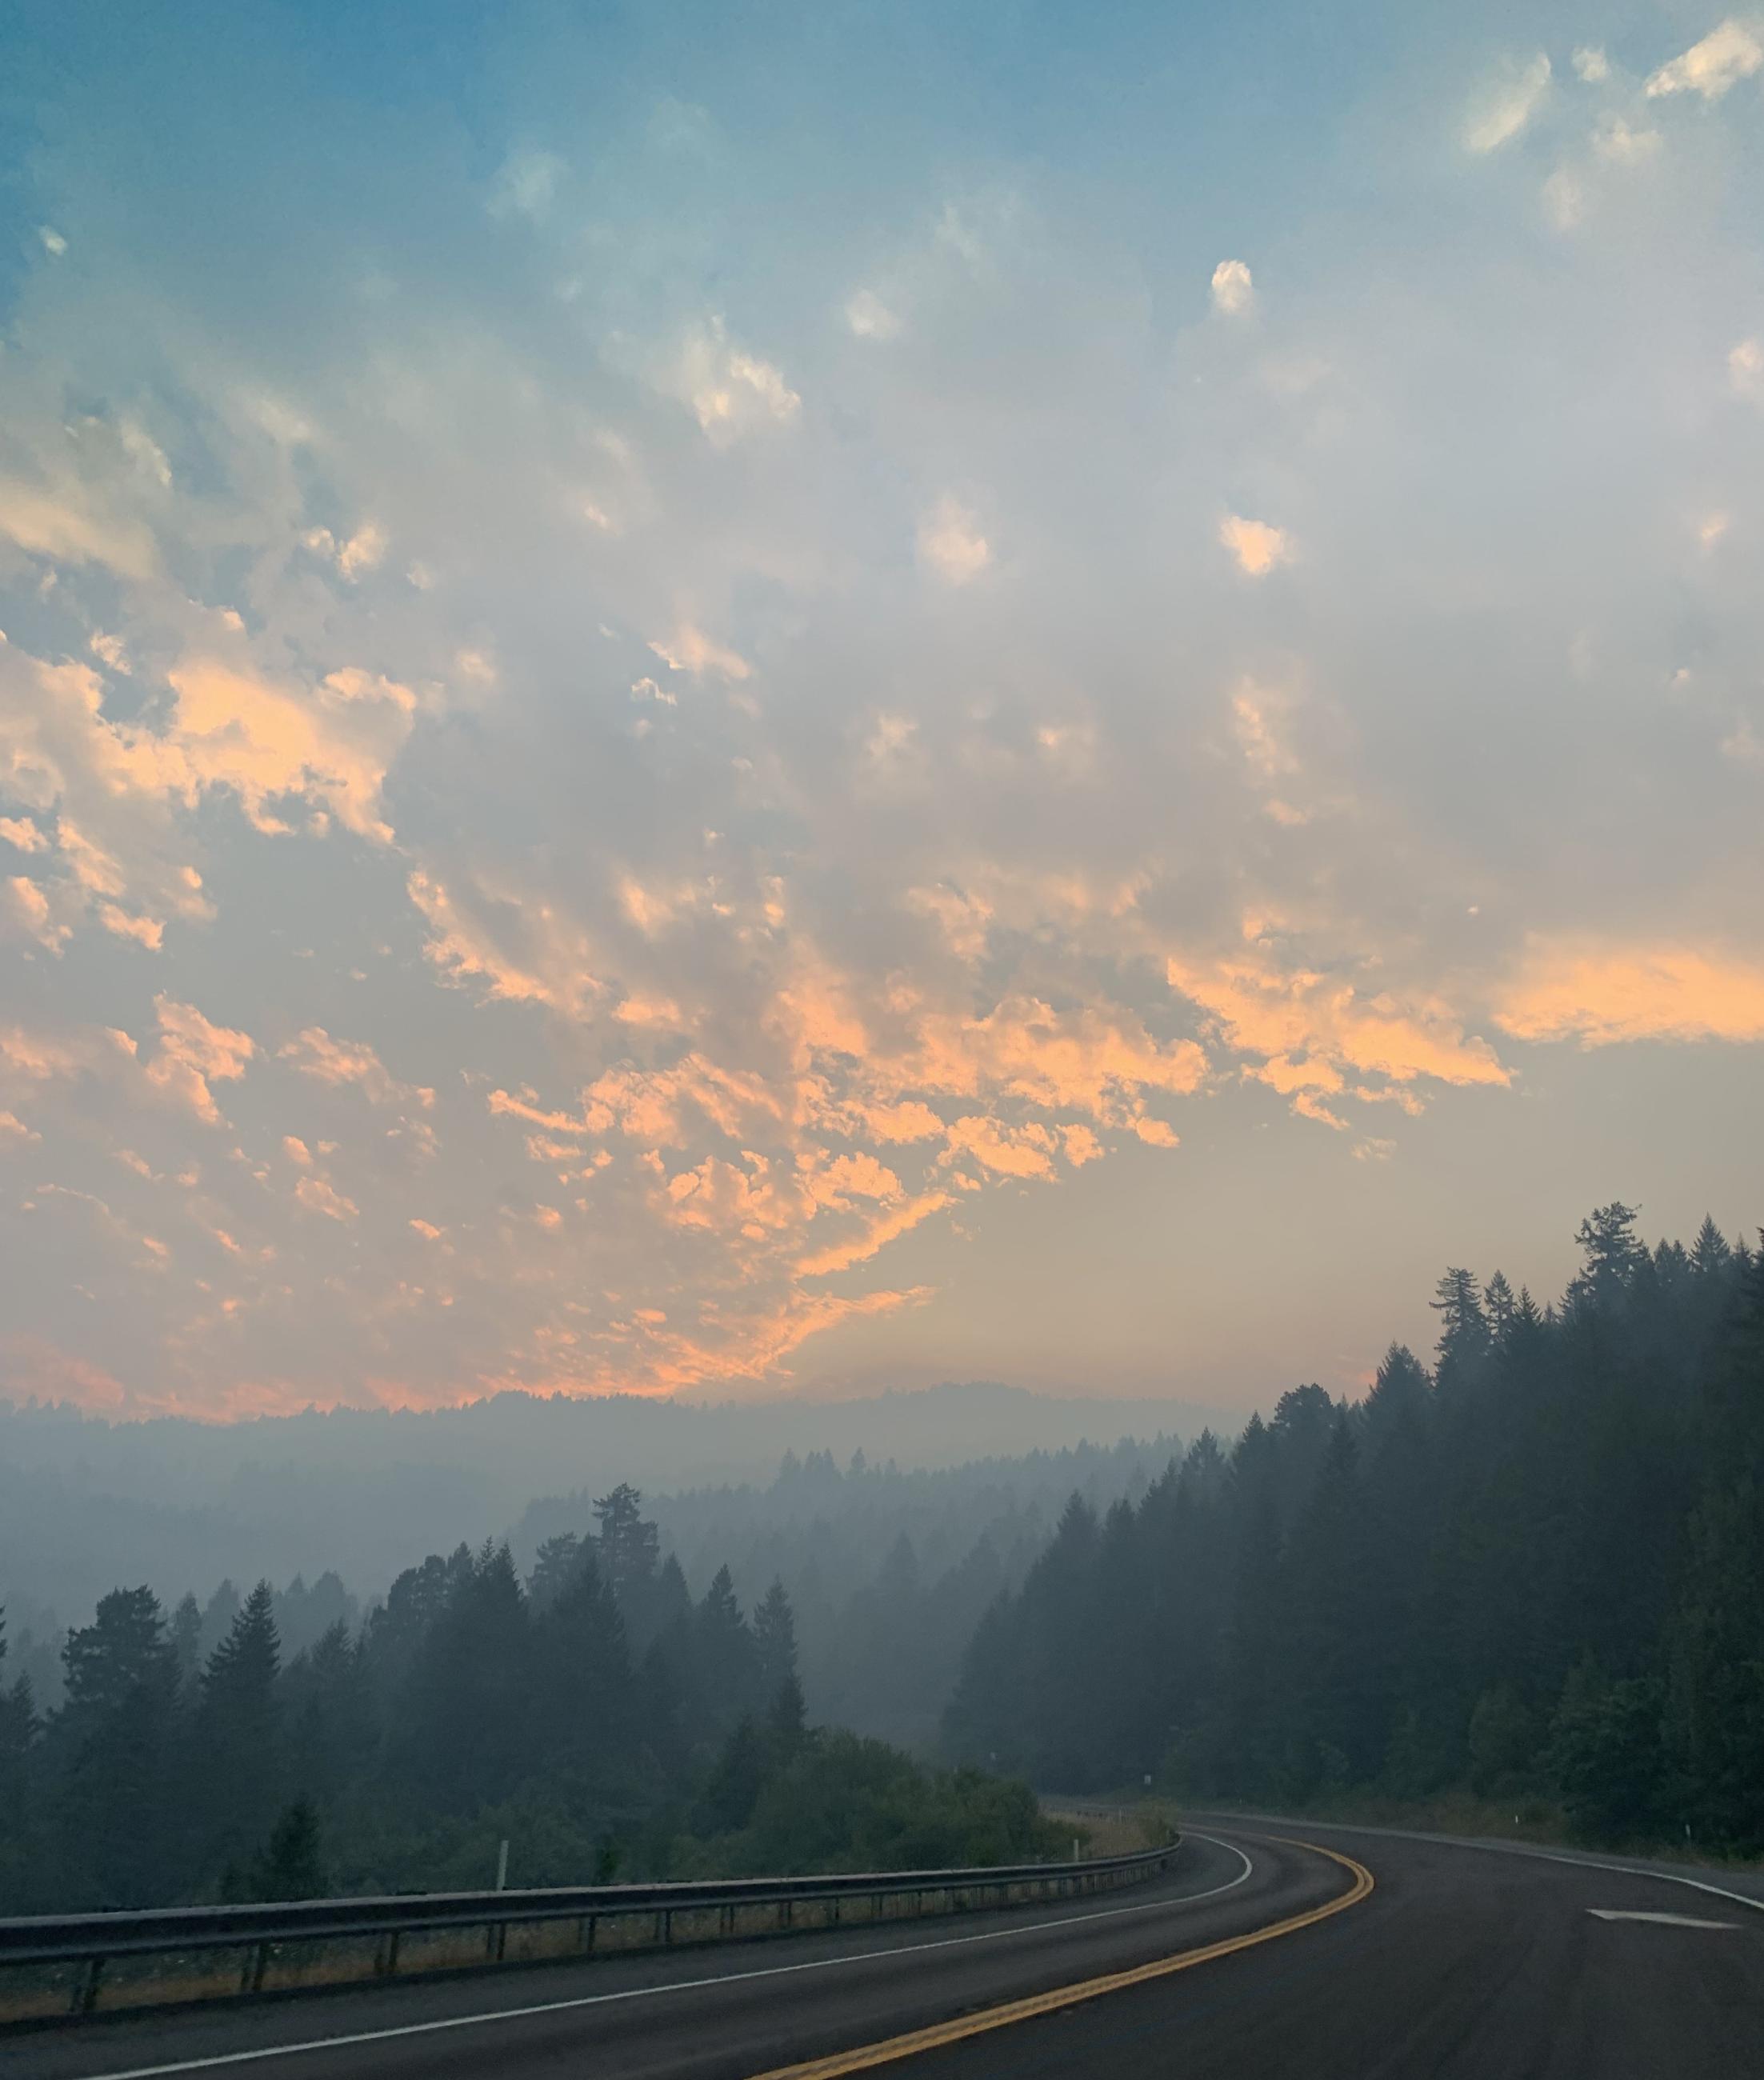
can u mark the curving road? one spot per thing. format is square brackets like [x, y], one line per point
[1349, 1952]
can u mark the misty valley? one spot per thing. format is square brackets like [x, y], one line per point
[1523, 1580]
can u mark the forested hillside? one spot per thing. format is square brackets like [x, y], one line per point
[86, 1502]
[889, 1569]
[1536, 1568]
[594, 1716]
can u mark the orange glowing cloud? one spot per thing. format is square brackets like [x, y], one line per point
[1599, 995]
[1289, 1014]
[895, 1221]
[314, 1054]
[193, 1053]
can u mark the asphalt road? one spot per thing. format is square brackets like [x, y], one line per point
[1394, 1956]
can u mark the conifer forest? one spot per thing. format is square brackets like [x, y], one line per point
[1529, 1570]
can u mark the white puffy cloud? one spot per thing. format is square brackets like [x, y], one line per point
[1234, 291]
[1724, 57]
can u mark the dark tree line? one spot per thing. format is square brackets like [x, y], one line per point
[594, 1715]
[1535, 1570]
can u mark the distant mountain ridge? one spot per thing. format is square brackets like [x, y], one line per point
[86, 1503]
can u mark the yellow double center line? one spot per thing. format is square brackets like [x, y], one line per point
[941, 2033]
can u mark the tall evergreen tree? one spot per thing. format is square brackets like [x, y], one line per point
[237, 1749]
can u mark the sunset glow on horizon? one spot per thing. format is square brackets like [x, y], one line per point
[625, 770]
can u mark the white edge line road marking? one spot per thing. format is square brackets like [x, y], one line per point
[678, 1985]
[1258, 1824]
[1666, 1920]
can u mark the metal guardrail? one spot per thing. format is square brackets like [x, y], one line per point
[93, 1940]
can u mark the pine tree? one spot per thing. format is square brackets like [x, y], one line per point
[774, 1639]
[584, 1705]
[1463, 1327]
[236, 1746]
[292, 1865]
[786, 1716]
[725, 1659]
[628, 1545]
[115, 1819]
[1611, 1255]
[552, 1568]
[1710, 1258]
[1499, 1304]
[187, 1640]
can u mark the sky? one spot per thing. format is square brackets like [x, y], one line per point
[744, 700]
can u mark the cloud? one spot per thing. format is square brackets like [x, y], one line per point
[1591, 65]
[1257, 546]
[1011, 1151]
[886, 1227]
[330, 744]
[314, 1054]
[193, 1053]
[1233, 293]
[28, 910]
[122, 791]
[1503, 110]
[363, 551]
[318, 1196]
[1618, 143]
[1258, 715]
[1725, 57]
[733, 394]
[1291, 1014]
[690, 649]
[950, 542]
[868, 317]
[389, 649]
[526, 184]
[1600, 993]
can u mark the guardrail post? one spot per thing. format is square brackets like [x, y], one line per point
[259, 1965]
[85, 1994]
